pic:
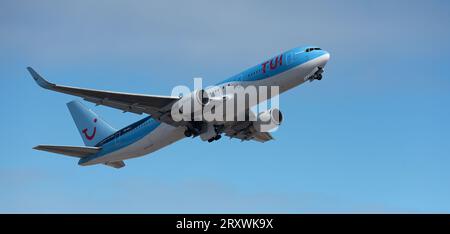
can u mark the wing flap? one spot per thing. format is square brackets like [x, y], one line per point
[262, 136]
[244, 132]
[73, 151]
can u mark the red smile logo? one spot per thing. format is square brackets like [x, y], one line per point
[93, 133]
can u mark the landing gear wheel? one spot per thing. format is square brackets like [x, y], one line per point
[188, 133]
[319, 77]
[217, 137]
[210, 140]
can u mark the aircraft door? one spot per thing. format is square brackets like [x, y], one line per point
[289, 58]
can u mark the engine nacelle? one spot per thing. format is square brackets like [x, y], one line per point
[202, 97]
[268, 120]
[191, 105]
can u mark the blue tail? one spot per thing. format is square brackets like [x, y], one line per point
[91, 127]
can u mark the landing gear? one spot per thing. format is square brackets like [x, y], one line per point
[217, 137]
[317, 75]
[207, 132]
[188, 133]
[193, 129]
[191, 132]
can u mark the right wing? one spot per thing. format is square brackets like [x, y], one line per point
[243, 130]
[157, 106]
[256, 136]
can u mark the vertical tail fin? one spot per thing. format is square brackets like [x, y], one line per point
[92, 128]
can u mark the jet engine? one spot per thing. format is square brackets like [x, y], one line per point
[191, 105]
[268, 120]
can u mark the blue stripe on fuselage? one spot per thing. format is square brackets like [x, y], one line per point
[124, 137]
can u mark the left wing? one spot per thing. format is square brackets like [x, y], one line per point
[157, 106]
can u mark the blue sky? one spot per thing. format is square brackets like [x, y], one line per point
[372, 136]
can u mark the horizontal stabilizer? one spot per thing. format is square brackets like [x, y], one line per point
[74, 151]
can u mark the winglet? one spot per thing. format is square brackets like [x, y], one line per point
[39, 80]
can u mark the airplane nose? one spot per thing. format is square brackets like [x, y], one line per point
[324, 59]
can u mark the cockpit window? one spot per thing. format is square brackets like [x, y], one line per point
[311, 49]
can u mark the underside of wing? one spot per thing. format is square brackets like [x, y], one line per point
[262, 136]
[156, 106]
[244, 131]
[258, 136]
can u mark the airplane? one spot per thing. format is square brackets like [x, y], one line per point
[109, 146]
